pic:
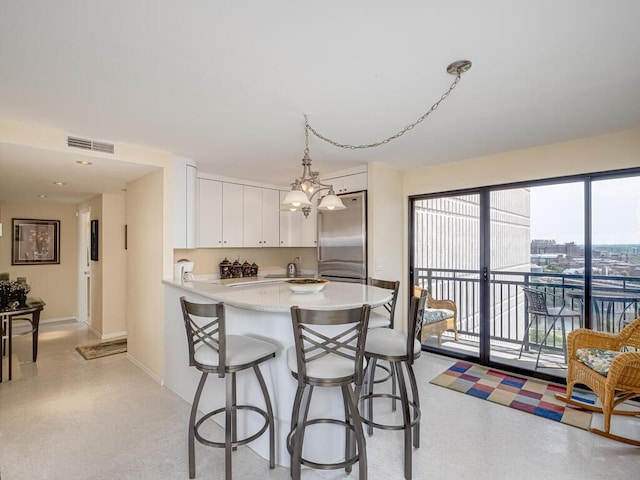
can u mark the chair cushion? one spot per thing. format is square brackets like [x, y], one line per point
[327, 366]
[379, 320]
[388, 342]
[241, 350]
[597, 359]
[432, 315]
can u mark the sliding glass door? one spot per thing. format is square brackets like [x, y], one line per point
[446, 261]
[523, 265]
[615, 253]
[536, 238]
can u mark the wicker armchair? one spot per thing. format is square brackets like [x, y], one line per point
[439, 315]
[622, 381]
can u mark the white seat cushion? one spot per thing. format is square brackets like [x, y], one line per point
[240, 351]
[379, 320]
[327, 366]
[388, 342]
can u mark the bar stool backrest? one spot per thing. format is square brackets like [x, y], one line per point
[328, 335]
[389, 285]
[416, 312]
[205, 325]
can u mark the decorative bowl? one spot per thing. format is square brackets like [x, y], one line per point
[306, 285]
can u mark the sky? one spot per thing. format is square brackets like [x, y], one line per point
[557, 212]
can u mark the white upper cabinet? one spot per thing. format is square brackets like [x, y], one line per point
[270, 217]
[209, 229]
[261, 217]
[347, 183]
[232, 215]
[185, 201]
[295, 229]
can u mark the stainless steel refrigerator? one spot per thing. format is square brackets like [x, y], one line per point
[342, 240]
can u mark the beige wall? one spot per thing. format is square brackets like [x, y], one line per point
[56, 284]
[114, 265]
[145, 253]
[385, 209]
[594, 154]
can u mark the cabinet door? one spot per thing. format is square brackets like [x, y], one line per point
[289, 226]
[209, 213]
[295, 229]
[184, 204]
[192, 201]
[252, 219]
[232, 215]
[270, 217]
[309, 227]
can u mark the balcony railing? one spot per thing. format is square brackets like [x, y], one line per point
[509, 309]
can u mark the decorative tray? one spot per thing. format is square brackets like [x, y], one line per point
[306, 285]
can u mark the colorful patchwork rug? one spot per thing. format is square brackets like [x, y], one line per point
[531, 396]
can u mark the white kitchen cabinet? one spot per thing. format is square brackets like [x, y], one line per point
[185, 202]
[270, 217]
[209, 229]
[348, 183]
[232, 214]
[295, 229]
[261, 217]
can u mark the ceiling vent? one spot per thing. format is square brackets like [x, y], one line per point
[86, 144]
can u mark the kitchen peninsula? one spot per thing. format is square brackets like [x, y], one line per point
[260, 307]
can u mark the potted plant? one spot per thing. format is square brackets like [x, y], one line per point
[18, 293]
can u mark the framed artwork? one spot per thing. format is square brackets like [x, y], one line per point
[35, 242]
[94, 240]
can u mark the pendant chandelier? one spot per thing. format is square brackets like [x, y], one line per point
[306, 187]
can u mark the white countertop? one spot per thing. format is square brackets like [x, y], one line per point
[273, 295]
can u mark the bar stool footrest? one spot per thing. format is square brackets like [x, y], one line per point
[324, 466]
[415, 416]
[242, 441]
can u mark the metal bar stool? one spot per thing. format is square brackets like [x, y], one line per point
[400, 350]
[384, 318]
[211, 350]
[328, 352]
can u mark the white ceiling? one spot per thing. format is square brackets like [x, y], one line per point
[228, 83]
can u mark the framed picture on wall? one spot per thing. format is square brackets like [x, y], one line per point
[94, 240]
[35, 242]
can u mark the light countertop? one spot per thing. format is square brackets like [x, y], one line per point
[273, 295]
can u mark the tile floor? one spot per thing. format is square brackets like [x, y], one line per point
[69, 418]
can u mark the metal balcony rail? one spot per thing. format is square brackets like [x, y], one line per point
[509, 309]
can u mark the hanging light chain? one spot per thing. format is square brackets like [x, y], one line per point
[458, 72]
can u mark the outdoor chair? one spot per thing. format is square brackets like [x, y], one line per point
[609, 364]
[539, 308]
[439, 316]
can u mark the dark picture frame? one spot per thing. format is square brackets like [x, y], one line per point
[94, 240]
[35, 242]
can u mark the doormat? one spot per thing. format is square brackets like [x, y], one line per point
[525, 394]
[89, 352]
